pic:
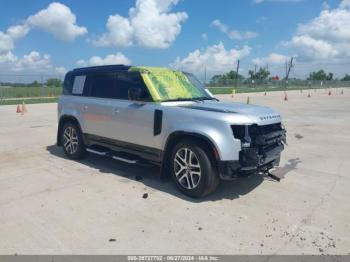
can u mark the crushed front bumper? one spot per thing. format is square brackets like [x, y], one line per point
[251, 160]
[261, 150]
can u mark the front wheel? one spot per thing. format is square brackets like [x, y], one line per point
[193, 170]
[73, 144]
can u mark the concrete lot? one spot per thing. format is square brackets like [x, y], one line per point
[51, 205]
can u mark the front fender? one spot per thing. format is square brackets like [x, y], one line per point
[220, 135]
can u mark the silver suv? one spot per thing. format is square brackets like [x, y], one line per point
[166, 117]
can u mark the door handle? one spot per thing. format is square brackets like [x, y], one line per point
[116, 111]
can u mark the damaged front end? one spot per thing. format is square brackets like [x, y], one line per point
[261, 147]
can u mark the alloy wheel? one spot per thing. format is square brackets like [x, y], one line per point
[70, 140]
[187, 168]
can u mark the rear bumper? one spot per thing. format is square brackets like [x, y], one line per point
[250, 160]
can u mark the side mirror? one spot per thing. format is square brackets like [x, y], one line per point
[134, 93]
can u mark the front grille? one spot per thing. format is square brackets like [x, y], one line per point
[264, 130]
[261, 145]
[260, 135]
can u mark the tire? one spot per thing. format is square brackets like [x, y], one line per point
[193, 170]
[72, 141]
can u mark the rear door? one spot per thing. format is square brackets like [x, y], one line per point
[96, 110]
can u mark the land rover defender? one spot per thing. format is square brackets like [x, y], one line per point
[166, 117]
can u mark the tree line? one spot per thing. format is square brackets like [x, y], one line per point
[51, 82]
[264, 74]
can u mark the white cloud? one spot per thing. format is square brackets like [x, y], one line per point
[215, 58]
[150, 24]
[57, 20]
[325, 37]
[32, 63]
[271, 59]
[18, 31]
[116, 59]
[204, 36]
[13, 33]
[233, 34]
[6, 43]
[344, 4]
[312, 48]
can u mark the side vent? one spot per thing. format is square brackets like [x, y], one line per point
[158, 119]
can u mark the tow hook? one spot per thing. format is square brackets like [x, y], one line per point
[267, 173]
[272, 176]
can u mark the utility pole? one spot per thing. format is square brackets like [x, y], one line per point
[286, 69]
[42, 85]
[255, 79]
[237, 71]
[289, 68]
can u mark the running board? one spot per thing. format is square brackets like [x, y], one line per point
[113, 155]
[130, 161]
[96, 152]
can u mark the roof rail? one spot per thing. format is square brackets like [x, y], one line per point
[121, 66]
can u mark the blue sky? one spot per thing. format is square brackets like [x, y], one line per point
[45, 37]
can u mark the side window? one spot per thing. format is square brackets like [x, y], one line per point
[68, 84]
[78, 86]
[127, 80]
[100, 85]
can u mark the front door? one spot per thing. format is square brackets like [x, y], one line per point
[132, 121]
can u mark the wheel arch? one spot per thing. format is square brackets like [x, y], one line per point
[63, 120]
[178, 136]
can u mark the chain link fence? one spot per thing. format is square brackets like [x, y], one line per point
[30, 88]
[46, 88]
[292, 83]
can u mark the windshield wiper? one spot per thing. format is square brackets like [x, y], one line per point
[178, 99]
[194, 99]
[204, 98]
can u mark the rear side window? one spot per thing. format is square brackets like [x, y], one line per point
[68, 84]
[78, 85]
[100, 85]
[127, 80]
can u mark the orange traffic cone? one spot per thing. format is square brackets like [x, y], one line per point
[18, 109]
[285, 96]
[309, 95]
[24, 108]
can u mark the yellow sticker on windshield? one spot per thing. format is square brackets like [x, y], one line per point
[165, 84]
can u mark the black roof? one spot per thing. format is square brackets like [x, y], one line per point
[101, 69]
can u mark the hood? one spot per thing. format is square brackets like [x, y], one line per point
[260, 115]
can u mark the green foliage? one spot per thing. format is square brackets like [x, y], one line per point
[262, 74]
[321, 75]
[54, 82]
[29, 91]
[346, 78]
[228, 78]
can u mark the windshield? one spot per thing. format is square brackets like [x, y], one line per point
[167, 85]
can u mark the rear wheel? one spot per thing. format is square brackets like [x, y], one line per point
[193, 170]
[72, 141]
